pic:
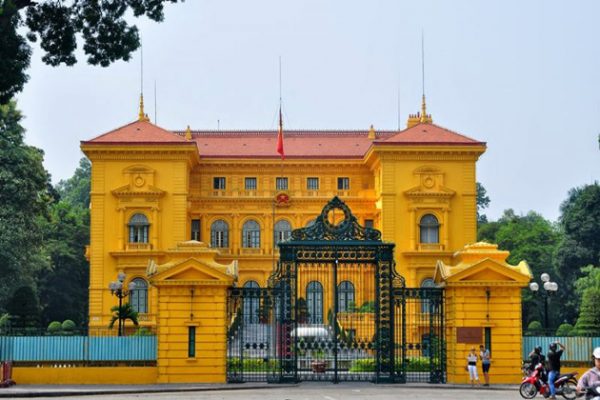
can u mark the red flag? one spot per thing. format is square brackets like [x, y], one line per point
[280, 137]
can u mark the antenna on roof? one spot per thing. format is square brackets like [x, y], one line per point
[424, 117]
[141, 115]
[399, 126]
[218, 124]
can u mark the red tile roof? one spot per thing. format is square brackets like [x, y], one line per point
[138, 132]
[297, 143]
[423, 134]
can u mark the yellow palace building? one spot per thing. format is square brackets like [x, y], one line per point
[210, 207]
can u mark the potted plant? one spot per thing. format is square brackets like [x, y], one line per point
[319, 365]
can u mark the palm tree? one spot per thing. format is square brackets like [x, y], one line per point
[123, 313]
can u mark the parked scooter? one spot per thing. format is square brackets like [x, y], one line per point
[533, 384]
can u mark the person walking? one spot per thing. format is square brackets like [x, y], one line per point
[554, 365]
[486, 362]
[472, 367]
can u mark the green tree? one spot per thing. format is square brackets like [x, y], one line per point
[565, 329]
[101, 26]
[483, 201]
[63, 284]
[24, 308]
[579, 247]
[24, 197]
[588, 322]
[76, 190]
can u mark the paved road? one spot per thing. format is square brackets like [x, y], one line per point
[325, 391]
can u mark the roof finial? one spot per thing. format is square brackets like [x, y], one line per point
[371, 132]
[141, 115]
[423, 110]
[188, 133]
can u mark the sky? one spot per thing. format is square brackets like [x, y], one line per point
[522, 76]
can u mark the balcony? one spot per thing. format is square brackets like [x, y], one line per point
[138, 246]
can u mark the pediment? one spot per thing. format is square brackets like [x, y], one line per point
[191, 270]
[421, 191]
[133, 191]
[486, 270]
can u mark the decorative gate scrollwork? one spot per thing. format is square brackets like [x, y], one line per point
[335, 310]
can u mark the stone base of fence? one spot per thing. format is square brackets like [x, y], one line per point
[65, 375]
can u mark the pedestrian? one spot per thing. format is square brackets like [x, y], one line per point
[554, 365]
[592, 377]
[472, 367]
[486, 362]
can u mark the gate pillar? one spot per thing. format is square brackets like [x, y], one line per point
[192, 314]
[483, 306]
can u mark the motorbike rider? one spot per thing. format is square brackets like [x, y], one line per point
[554, 365]
[592, 376]
[536, 357]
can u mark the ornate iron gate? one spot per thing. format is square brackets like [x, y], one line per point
[335, 310]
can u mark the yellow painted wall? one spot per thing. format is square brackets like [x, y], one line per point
[207, 313]
[85, 375]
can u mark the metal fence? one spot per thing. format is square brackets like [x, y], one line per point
[577, 348]
[77, 348]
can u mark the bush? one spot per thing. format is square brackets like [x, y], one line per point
[565, 330]
[68, 327]
[413, 364]
[535, 328]
[252, 364]
[54, 328]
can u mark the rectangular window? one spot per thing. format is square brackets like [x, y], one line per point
[191, 341]
[312, 183]
[343, 183]
[281, 183]
[488, 339]
[250, 184]
[368, 223]
[195, 229]
[219, 183]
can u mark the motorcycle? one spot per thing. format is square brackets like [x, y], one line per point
[592, 393]
[534, 383]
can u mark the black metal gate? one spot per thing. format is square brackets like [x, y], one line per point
[335, 310]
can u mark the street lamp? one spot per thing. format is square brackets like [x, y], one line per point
[549, 289]
[116, 288]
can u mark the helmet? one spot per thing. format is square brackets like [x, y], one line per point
[596, 352]
[553, 346]
[538, 349]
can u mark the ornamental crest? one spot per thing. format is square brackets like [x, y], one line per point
[328, 227]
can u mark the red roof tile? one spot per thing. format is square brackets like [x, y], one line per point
[423, 134]
[138, 132]
[297, 143]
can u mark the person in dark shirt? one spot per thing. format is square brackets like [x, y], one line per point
[536, 357]
[554, 365]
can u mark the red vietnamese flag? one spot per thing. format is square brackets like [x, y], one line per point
[280, 137]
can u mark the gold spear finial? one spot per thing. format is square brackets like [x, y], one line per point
[423, 110]
[141, 115]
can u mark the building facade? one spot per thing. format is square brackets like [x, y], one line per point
[153, 188]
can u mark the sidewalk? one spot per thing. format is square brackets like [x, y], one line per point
[82, 390]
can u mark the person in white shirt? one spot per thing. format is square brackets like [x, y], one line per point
[472, 367]
[592, 376]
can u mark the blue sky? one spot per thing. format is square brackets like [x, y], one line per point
[522, 76]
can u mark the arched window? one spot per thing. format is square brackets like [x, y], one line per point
[251, 235]
[219, 234]
[251, 303]
[138, 229]
[425, 302]
[139, 296]
[430, 229]
[314, 302]
[345, 296]
[283, 230]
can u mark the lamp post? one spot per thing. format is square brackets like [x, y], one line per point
[116, 288]
[549, 289]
